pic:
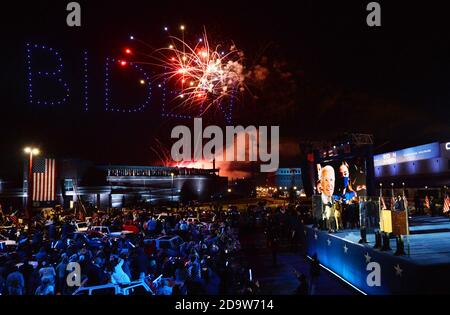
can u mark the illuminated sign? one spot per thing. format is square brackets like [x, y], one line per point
[421, 152]
[48, 85]
[447, 146]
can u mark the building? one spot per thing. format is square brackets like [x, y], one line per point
[105, 186]
[288, 179]
[420, 169]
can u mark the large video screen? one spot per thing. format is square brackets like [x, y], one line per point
[344, 180]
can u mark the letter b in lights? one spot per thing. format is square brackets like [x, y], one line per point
[374, 277]
[46, 85]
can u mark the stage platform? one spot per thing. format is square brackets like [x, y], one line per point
[426, 270]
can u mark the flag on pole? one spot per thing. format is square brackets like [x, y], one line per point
[14, 220]
[383, 204]
[405, 200]
[392, 202]
[44, 180]
[427, 202]
[392, 198]
[446, 204]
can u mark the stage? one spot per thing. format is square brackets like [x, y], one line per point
[425, 270]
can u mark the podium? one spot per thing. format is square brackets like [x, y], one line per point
[394, 222]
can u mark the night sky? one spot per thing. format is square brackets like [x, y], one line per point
[328, 73]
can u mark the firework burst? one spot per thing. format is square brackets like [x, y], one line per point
[203, 74]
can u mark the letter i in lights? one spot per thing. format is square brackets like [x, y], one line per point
[56, 74]
[85, 81]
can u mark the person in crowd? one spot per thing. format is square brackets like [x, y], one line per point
[194, 269]
[15, 283]
[118, 276]
[95, 273]
[165, 288]
[303, 288]
[61, 273]
[46, 287]
[314, 274]
[47, 272]
[433, 208]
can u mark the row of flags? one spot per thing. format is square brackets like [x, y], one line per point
[445, 209]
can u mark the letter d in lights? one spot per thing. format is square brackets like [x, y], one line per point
[110, 62]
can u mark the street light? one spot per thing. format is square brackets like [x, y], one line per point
[229, 190]
[31, 151]
[172, 174]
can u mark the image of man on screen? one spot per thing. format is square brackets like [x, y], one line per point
[327, 182]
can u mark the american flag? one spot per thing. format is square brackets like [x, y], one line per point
[405, 201]
[14, 220]
[427, 202]
[44, 185]
[446, 204]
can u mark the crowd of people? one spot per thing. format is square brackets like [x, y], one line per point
[205, 262]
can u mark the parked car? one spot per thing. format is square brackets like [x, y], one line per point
[168, 243]
[81, 226]
[106, 230]
[193, 221]
[93, 243]
[207, 216]
[133, 239]
[7, 245]
[132, 288]
[162, 216]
